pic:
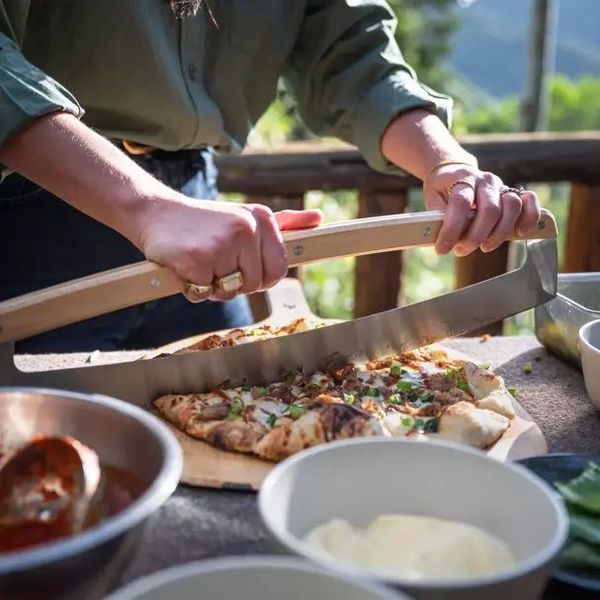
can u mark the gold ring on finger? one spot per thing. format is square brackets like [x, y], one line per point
[197, 293]
[230, 283]
[460, 182]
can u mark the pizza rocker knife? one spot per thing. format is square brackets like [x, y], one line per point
[392, 331]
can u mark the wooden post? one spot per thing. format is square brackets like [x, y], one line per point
[583, 230]
[479, 266]
[377, 276]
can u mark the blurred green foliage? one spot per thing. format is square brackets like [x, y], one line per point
[425, 35]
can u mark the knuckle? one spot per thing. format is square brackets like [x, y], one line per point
[512, 202]
[262, 212]
[461, 200]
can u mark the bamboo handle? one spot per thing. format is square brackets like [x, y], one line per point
[97, 294]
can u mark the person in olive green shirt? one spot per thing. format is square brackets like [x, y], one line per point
[162, 82]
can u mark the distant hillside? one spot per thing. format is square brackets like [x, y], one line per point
[490, 48]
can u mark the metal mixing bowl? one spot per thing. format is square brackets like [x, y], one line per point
[124, 436]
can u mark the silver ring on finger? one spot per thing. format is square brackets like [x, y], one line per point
[460, 182]
[197, 293]
[230, 283]
[512, 190]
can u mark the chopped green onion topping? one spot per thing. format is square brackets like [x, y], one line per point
[404, 387]
[513, 392]
[235, 408]
[527, 368]
[395, 399]
[451, 375]
[312, 387]
[431, 425]
[246, 388]
[372, 391]
[397, 370]
[260, 391]
[271, 420]
[463, 385]
[296, 410]
[537, 358]
[348, 398]
[422, 400]
[406, 421]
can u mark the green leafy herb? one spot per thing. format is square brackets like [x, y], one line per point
[235, 408]
[246, 388]
[513, 392]
[395, 399]
[419, 423]
[527, 368]
[406, 421]
[372, 392]
[348, 398]
[404, 387]
[584, 490]
[296, 410]
[271, 420]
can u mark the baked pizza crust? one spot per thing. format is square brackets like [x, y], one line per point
[440, 397]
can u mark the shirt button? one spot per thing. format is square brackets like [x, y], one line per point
[192, 71]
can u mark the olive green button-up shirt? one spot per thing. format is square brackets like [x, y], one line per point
[143, 75]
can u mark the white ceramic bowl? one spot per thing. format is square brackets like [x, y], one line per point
[589, 345]
[251, 578]
[358, 480]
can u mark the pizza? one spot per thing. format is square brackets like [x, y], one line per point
[423, 394]
[235, 337]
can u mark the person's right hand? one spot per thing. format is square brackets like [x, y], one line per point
[203, 241]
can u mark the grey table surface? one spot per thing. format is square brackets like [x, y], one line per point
[199, 523]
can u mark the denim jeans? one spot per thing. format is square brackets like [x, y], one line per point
[44, 241]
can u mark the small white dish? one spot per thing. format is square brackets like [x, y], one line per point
[358, 480]
[589, 346]
[251, 578]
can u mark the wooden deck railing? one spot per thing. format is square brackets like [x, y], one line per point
[279, 177]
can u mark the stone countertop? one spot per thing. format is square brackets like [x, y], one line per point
[199, 523]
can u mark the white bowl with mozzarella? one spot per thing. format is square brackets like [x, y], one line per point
[355, 482]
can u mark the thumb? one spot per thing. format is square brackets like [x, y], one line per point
[298, 219]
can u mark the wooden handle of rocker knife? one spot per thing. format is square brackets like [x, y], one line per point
[97, 294]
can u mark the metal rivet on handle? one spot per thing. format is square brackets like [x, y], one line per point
[427, 232]
[155, 282]
[542, 225]
[298, 250]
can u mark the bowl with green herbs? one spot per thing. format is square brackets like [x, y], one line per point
[576, 478]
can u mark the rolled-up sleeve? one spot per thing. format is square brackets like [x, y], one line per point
[26, 92]
[349, 77]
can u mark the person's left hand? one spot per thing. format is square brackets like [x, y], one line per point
[499, 210]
